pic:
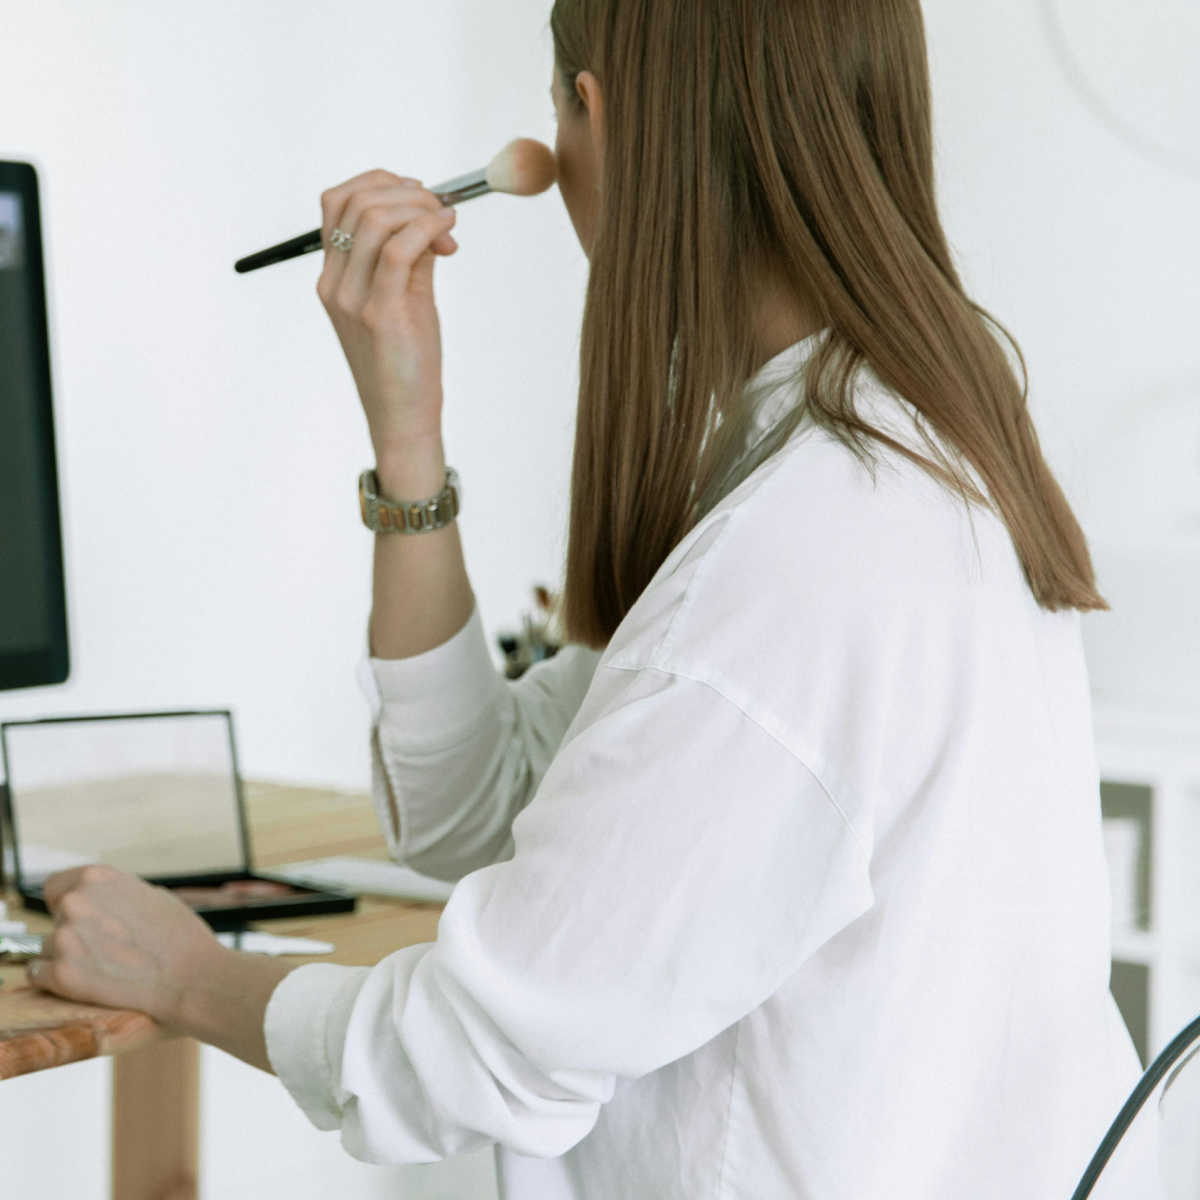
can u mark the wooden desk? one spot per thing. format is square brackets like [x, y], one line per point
[156, 1077]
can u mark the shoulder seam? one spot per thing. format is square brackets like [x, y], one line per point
[854, 833]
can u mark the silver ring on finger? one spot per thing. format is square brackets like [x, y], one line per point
[341, 240]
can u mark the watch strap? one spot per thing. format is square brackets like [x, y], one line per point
[407, 516]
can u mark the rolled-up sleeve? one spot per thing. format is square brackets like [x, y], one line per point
[457, 750]
[676, 865]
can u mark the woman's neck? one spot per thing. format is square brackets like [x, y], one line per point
[781, 320]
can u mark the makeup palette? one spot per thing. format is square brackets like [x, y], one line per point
[157, 795]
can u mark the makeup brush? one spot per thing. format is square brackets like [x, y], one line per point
[523, 168]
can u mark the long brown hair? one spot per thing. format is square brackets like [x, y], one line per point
[794, 133]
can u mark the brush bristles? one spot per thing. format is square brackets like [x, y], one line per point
[523, 168]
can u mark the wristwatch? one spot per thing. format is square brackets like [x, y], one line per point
[407, 516]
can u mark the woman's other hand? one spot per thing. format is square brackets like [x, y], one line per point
[120, 941]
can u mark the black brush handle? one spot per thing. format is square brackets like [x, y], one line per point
[453, 191]
[306, 243]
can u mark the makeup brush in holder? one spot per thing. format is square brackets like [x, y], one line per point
[524, 167]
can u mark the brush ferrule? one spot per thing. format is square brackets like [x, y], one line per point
[465, 187]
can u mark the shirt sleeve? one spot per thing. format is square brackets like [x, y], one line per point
[675, 867]
[457, 750]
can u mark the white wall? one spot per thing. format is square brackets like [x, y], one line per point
[210, 436]
[209, 433]
[1085, 247]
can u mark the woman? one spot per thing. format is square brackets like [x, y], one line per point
[784, 879]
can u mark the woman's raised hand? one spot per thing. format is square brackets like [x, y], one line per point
[379, 297]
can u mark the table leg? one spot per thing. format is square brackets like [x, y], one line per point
[155, 1119]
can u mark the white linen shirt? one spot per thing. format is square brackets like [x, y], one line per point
[795, 892]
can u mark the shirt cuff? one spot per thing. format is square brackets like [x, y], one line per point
[305, 1030]
[435, 696]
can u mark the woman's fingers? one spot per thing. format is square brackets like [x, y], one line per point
[367, 207]
[397, 235]
[401, 256]
[337, 211]
[334, 201]
[344, 207]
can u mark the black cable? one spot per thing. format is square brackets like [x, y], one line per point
[1149, 1081]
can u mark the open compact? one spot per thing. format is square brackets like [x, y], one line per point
[157, 795]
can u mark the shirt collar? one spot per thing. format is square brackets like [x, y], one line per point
[766, 394]
[778, 386]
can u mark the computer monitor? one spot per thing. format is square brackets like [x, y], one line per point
[33, 610]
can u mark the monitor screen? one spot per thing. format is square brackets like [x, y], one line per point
[33, 625]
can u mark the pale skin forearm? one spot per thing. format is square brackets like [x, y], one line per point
[421, 596]
[224, 1003]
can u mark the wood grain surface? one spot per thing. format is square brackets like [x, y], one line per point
[38, 1030]
[287, 824]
